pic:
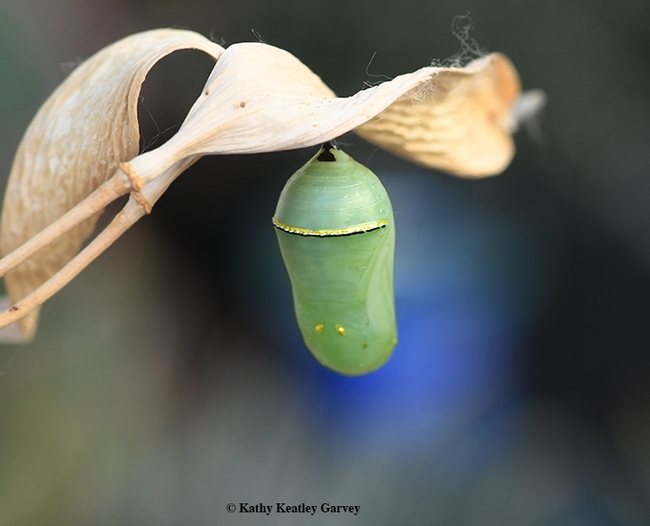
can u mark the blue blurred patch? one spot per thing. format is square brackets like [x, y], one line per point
[471, 278]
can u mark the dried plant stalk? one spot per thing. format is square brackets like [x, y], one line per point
[80, 152]
[75, 143]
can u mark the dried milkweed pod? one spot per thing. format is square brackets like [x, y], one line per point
[75, 144]
[80, 152]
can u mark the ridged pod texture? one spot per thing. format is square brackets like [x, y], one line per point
[81, 150]
[77, 140]
[336, 232]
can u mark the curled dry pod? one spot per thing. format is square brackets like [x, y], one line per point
[79, 154]
[336, 232]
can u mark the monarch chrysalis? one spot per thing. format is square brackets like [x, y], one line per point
[336, 232]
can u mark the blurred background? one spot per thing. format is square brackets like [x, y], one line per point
[169, 378]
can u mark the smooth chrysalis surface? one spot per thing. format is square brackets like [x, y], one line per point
[336, 232]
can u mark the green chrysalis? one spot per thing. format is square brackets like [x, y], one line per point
[336, 232]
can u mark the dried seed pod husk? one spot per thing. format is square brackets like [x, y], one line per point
[75, 142]
[460, 121]
[258, 98]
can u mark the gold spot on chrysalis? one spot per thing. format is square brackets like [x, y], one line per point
[364, 345]
[341, 330]
[319, 328]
